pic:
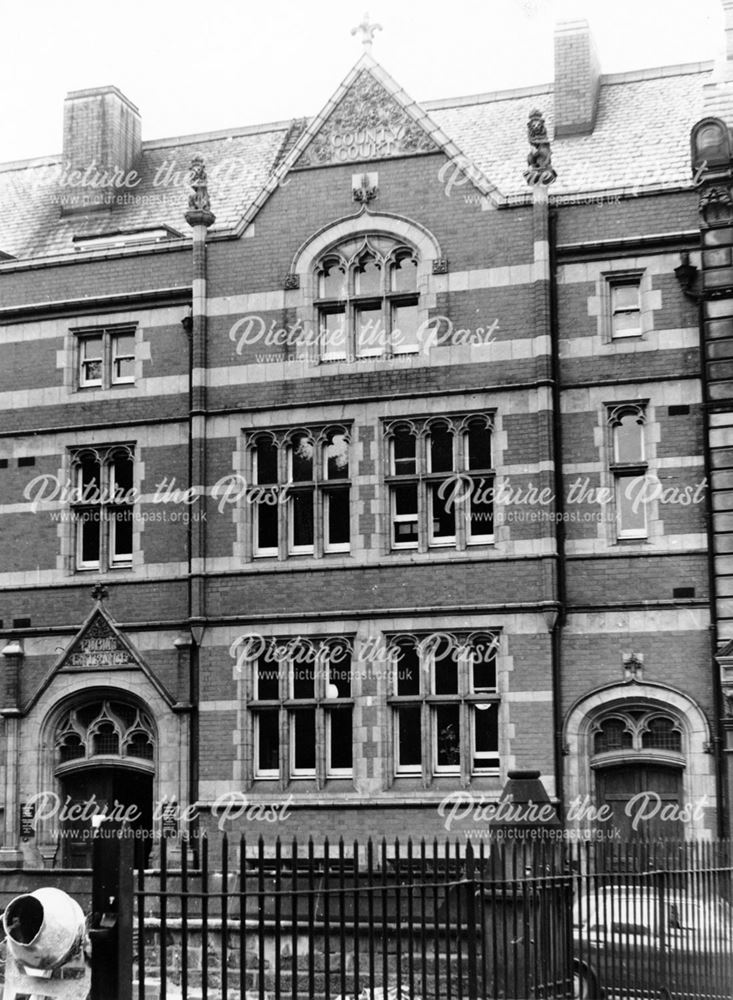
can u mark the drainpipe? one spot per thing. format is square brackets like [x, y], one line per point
[557, 634]
[719, 735]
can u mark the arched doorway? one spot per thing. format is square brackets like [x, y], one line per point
[105, 753]
[630, 740]
[637, 760]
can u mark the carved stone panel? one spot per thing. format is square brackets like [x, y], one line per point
[366, 124]
[98, 648]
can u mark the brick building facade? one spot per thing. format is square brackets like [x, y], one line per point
[363, 464]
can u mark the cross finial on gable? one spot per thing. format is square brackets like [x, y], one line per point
[367, 30]
[100, 593]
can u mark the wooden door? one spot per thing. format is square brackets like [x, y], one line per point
[93, 790]
[642, 799]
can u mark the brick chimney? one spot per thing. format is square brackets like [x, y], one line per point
[718, 93]
[101, 148]
[577, 75]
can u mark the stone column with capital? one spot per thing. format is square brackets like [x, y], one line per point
[12, 657]
[539, 175]
[200, 217]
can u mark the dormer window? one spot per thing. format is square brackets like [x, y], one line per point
[367, 300]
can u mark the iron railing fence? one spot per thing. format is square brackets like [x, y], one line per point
[448, 921]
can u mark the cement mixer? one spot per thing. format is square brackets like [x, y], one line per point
[46, 937]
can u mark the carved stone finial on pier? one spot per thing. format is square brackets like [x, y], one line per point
[199, 206]
[540, 170]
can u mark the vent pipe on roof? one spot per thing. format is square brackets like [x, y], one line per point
[102, 146]
[577, 76]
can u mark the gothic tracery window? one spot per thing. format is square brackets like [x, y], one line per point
[367, 299]
[636, 731]
[440, 478]
[299, 503]
[445, 704]
[103, 506]
[107, 728]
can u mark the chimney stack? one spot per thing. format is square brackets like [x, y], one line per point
[102, 147]
[577, 76]
[718, 93]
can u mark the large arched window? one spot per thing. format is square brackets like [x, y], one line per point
[367, 299]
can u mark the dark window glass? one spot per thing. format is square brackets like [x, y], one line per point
[406, 661]
[482, 513]
[266, 464]
[339, 671]
[661, 735]
[403, 450]
[106, 739]
[483, 665]
[122, 476]
[302, 514]
[140, 746]
[88, 479]
[304, 740]
[613, 735]
[409, 747]
[268, 740]
[303, 680]
[446, 675]
[71, 749]
[266, 526]
[302, 459]
[122, 548]
[405, 513]
[447, 735]
[479, 447]
[341, 744]
[443, 519]
[486, 737]
[441, 450]
[89, 528]
[338, 517]
[268, 679]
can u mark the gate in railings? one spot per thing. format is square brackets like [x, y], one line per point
[438, 922]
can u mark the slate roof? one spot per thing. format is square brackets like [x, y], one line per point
[641, 136]
[640, 141]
